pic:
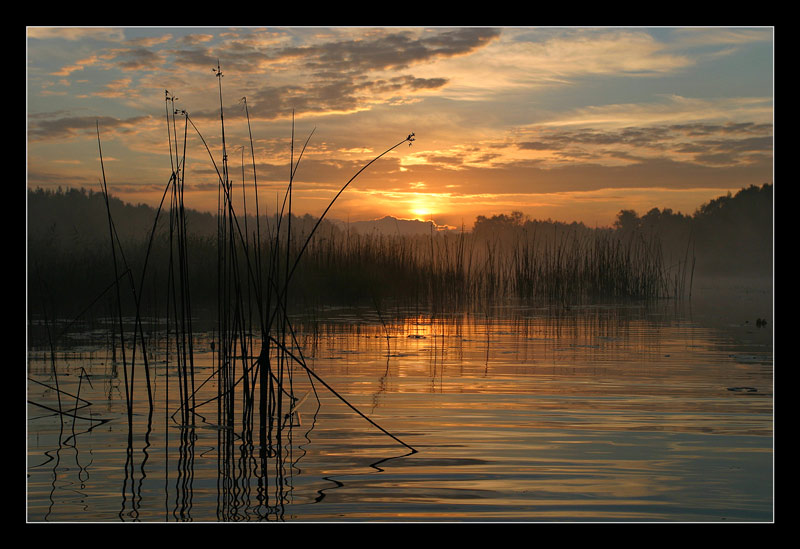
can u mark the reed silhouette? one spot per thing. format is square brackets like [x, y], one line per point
[255, 344]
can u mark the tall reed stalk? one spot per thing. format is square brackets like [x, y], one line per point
[263, 277]
[250, 269]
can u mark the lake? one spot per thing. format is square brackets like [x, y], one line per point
[614, 412]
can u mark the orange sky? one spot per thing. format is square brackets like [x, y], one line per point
[572, 124]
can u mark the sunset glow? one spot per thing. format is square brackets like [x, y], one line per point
[422, 206]
[422, 212]
[572, 124]
[400, 274]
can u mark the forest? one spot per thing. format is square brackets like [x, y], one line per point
[731, 235]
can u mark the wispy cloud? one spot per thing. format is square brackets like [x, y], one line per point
[79, 65]
[76, 33]
[666, 108]
[719, 36]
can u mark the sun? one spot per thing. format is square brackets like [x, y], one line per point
[421, 212]
[421, 207]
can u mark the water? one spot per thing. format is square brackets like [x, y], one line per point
[609, 412]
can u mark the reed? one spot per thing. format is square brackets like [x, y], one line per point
[260, 272]
[340, 266]
[255, 277]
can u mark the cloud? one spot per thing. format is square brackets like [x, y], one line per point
[397, 50]
[526, 59]
[150, 41]
[62, 129]
[710, 144]
[528, 177]
[116, 88]
[328, 96]
[79, 65]
[666, 109]
[706, 36]
[334, 74]
[195, 39]
[700, 128]
[540, 145]
[515, 110]
[615, 52]
[139, 58]
[76, 33]
[199, 58]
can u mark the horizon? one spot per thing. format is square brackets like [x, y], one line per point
[425, 222]
[567, 124]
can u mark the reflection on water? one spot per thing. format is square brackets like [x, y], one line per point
[606, 412]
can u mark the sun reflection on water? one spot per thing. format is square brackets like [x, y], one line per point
[601, 413]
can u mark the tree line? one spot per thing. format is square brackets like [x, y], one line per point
[731, 235]
[69, 261]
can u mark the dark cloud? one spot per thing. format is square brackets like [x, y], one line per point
[242, 60]
[337, 73]
[539, 146]
[138, 59]
[397, 84]
[730, 143]
[487, 157]
[425, 83]
[642, 136]
[725, 151]
[393, 51]
[713, 129]
[271, 102]
[67, 127]
[195, 58]
[748, 144]
[746, 127]
[333, 59]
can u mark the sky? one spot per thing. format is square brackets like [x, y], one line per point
[568, 124]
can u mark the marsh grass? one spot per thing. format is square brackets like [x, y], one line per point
[256, 351]
[259, 277]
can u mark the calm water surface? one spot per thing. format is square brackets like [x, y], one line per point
[609, 412]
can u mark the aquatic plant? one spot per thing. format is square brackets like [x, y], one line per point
[256, 347]
[259, 278]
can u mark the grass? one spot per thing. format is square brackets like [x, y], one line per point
[257, 279]
[256, 347]
[338, 266]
